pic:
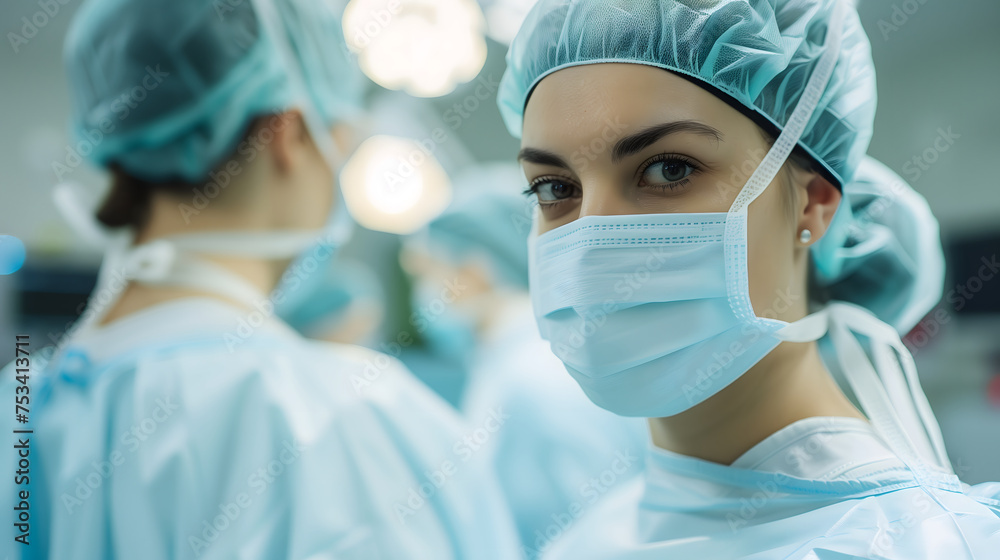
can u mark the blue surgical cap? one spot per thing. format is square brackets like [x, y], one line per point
[882, 250]
[757, 54]
[488, 219]
[167, 88]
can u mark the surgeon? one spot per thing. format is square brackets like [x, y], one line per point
[468, 269]
[179, 418]
[706, 214]
[554, 450]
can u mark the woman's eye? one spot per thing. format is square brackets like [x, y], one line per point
[553, 191]
[667, 171]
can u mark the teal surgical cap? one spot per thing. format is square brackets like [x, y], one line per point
[882, 250]
[755, 54]
[488, 220]
[167, 88]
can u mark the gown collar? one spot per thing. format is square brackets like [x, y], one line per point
[812, 460]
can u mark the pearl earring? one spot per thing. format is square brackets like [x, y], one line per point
[805, 236]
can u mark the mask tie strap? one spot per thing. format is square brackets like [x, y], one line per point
[160, 263]
[899, 380]
[179, 260]
[924, 411]
[890, 396]
[174, 260]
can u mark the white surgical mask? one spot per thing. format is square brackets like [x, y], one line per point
[651, 314]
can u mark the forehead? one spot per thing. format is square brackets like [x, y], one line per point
[581, 102]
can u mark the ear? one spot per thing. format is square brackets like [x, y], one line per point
[290, 137]
[822, 200]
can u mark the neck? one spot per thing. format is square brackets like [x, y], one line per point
[261, 274]
[789, 384]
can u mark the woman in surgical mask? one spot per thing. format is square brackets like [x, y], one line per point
[179, 418]
[706, 213]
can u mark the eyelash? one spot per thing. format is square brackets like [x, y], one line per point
[669, 157]
[533, 189]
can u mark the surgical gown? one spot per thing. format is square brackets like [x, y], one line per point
[193, 429]
[819, 489]
[556, 452]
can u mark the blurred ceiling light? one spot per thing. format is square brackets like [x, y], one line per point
[424, 47]
[504, 18]
[394, 184]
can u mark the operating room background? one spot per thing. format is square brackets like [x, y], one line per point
[936, 126]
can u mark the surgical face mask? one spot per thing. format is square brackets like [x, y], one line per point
[651, 314]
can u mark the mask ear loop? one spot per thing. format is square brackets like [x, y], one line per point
[736, 220]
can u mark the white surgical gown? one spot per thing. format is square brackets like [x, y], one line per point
[184, 431]
[557, 452]
[819, 489]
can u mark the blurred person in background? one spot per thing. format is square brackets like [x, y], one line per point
[180, 418]
[341, 302]
[555, 450]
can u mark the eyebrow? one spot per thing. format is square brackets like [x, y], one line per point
[541, 157]
[628, 145]
[637, 142]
